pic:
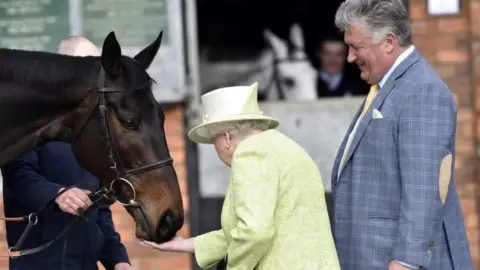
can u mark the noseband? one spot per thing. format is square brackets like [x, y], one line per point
[110, 193]
[121, 175]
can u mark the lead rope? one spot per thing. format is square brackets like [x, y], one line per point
[64, 252]
[15, 251]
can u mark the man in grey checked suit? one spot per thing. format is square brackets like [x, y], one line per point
[395, 202]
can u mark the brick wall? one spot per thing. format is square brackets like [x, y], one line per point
[451, 44]
[145, 258]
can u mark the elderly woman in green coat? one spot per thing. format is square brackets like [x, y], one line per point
[274, 214]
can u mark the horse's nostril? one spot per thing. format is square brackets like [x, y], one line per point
[165, 225]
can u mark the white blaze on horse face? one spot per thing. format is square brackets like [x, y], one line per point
[297, 77]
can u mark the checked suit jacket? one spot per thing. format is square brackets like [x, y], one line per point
[395, 196]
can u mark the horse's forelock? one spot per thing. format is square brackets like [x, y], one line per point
[136, 78]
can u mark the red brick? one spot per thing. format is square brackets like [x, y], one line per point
[178, 156]
[467, 191]
[438, 44]
[453, 25]
[174, 122]
[461, 86]
[452, 56]
[423, 28]
[417, 12]
[176, 142]
[446, 71]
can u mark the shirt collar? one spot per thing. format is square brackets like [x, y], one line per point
[335, 80]
[397, 62]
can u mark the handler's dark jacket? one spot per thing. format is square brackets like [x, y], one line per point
[33, 179]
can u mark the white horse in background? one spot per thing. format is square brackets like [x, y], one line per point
[282, 74]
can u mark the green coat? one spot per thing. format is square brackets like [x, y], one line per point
[274, 214]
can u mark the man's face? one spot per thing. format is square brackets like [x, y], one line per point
[372, 59]
[332, 56]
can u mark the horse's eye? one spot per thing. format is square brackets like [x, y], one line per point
[288, 82]
[130, 123]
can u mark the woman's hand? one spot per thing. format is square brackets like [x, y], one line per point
[177, 244]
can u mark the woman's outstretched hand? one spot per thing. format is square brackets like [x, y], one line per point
[177, 244]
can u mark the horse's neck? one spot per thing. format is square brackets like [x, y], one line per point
[35, 112]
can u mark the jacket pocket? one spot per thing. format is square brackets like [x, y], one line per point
[380, 131]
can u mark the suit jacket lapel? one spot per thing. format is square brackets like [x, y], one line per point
[341, 150]
[377, 103]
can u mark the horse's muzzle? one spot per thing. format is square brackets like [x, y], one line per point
[167, 226]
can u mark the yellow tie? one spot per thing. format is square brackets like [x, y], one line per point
[371, 96]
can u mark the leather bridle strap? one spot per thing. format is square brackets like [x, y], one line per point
[149, 167]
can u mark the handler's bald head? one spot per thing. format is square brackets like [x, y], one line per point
[78, 46]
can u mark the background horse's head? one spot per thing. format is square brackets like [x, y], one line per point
[123, 142]
[295, 77]
[282, 70]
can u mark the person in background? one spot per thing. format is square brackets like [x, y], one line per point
[334, 79]
[274, 214]
[35, 178]
[396, 205]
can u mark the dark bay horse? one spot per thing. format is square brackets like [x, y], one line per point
[104, 107]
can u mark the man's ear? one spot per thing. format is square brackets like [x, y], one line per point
[391, 42]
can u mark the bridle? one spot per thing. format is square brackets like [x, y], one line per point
[121, 175]
[104, 123]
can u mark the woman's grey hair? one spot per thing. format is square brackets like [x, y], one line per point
[377, 17]
[239, 128]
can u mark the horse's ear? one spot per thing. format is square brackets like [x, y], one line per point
[296, 36]
[111, 56]
[146, 56]
[279, 47]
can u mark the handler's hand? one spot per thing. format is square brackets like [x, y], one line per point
[177, 244]
[123, 266]
[73, 199]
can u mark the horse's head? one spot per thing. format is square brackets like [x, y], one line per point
[294, 75]
[133, 156]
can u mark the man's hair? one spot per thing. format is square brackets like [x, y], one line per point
[78, 46]
[334, 38]
[376, 17]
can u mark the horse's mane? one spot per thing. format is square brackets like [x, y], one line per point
[44, 69]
